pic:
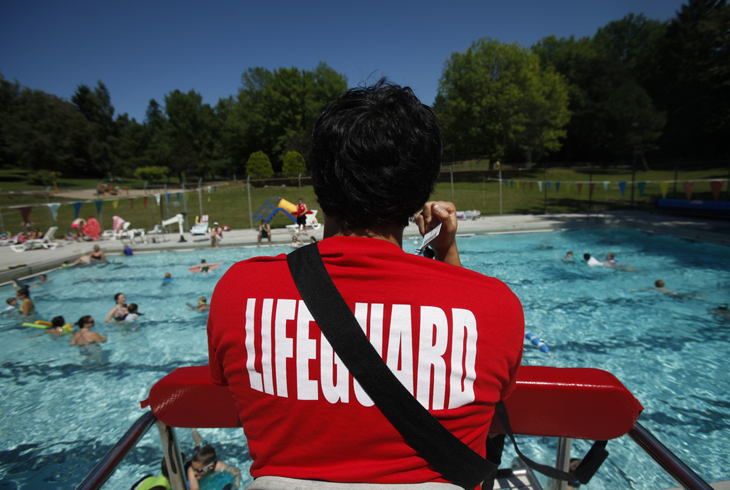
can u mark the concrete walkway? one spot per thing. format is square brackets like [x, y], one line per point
[33, 262]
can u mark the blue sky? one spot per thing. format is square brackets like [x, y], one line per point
[145, 49]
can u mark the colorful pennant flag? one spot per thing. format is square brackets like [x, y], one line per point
[548, 185]
[98, 203]
[131, 204]
[54, 210]
[77, 209]
[557, 186]
[144, 199]
[605, 186]
[531, 182]
[591, 188]
[664, 187]
[622, 187]
[25, 214]
[157, 198]
[580, 187]
[688, 189]
[716, 186]
[642, 187]
[115, 203]
[539, 184]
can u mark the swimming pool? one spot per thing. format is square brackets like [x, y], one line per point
[63, 411]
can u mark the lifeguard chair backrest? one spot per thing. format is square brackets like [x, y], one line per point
[553, 402]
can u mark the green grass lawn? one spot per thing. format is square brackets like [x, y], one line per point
[228, 204]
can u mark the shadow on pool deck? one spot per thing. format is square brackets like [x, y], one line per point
[24, 264]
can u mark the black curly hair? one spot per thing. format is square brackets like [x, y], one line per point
[376, 154]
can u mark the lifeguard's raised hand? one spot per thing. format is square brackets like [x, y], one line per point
[444, 245]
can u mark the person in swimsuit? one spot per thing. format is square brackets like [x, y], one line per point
[27, 307]
[85, 336]
[78, 225]
[216, 234]
[302, 217]
[264, 230]
[204, 268]
[97, 254]
[119, 312]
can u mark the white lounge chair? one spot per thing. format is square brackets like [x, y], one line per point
[118, 227]
[46, 242]
[201, 225]
[311, 222]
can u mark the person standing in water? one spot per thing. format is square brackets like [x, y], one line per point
[85, 336]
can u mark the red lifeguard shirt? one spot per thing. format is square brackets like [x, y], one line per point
[452, 336]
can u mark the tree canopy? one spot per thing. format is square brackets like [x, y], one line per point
[495, 100]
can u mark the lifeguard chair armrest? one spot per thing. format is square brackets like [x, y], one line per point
[554, 402]
[580, 403]
[187, 398]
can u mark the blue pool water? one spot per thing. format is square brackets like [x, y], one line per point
[62, 411]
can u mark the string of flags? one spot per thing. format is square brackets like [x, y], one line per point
[25, 211]
[716, 186]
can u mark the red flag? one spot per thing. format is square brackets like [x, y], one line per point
[530, 185]
[688, 189]
[144, 198]
[25, 213]
[580, 187]
[591, 187]
[131, 204]
[716, 186]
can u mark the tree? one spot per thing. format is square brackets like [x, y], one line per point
[294, 163]
[612, 114]
[693, 79]
[276, 110]
[259, 165]
[96, 107]
[185, 141]
[494, 99]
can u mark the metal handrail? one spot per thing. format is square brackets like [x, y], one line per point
[667, 459]
[107, 466]
[101, 473]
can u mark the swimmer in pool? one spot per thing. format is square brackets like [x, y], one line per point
[85, 336]
[204, 268]
[722, 312]
[613, 263]
[296, 242]
[592, 261]
[167, 279]
[569, 257]
[12, 307]
[132, 313]
[119, 312]
[659, 286]
[57, 326]
[27, 307]
[42, 279]
[202, 305]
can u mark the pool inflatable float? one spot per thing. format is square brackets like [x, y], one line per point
[43, 325]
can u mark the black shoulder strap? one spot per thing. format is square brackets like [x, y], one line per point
[453, 459]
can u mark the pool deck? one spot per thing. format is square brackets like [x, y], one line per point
[33, 262]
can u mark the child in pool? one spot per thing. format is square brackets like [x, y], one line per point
[58, 326]
[132, 313]
[206, 462]
[167, 279]
[12, 306]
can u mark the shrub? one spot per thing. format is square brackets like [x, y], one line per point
[259, 165]
[152, 173]
[293, 163]
[43, 177]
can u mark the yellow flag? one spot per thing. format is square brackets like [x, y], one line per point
[664, 186]
[115, 204]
